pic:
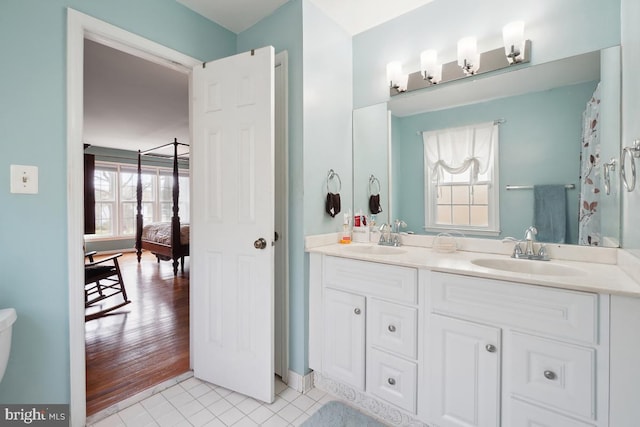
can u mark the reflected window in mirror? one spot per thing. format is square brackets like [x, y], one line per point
[461, 178]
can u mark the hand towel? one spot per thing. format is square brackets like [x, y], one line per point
[332, 206]
[374, 204]
[550, 213]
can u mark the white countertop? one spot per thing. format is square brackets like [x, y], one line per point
[589, 277]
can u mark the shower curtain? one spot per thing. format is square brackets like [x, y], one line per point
[589, 220]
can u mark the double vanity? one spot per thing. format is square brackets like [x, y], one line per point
[469, 338]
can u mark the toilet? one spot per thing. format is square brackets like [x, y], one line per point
[7, 317]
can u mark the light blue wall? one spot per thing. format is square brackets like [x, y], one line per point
[630, 115]
[319, 137]
[283, 30]
[539, 144]
[33, 228]
[557, 29]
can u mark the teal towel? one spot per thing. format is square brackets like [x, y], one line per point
[550, 213]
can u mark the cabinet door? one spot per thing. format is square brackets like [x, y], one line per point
[344, 337]
[464, 366]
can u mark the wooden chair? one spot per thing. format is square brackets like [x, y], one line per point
[102, 280]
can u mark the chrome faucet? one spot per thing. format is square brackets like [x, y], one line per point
[529, 251]
[390, 234]
[530, 237]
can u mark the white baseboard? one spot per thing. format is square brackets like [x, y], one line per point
[300, 383]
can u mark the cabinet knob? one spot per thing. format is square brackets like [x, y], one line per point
[391, 381]
[357, 311]
[391, 328]
[550, 375]
[490, 348]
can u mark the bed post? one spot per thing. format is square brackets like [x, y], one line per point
[139, 210]
[176, 244]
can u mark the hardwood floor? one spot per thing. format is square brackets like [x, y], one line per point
[143, 343]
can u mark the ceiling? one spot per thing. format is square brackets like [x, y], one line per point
[134, 104]
[354, 16]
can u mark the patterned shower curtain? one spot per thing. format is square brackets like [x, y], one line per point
[589, 220]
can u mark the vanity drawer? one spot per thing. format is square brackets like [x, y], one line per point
[525, 415]
[393, 327]
[392, 379]
[556, 312]
[553, 373]
[372, 279]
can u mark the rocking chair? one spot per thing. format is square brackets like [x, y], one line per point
[102, 280]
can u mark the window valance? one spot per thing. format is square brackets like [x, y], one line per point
[456, 150]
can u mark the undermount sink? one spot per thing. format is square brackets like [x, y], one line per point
[527, 267]
[375, 250]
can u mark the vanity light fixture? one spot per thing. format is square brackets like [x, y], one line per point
[514, 52]
[396, 78]
[513, 37]
[431, 69]
[468, 56]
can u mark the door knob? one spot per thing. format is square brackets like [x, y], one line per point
[260, 243]
[490, 348]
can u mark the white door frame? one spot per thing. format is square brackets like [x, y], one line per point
[79, 27]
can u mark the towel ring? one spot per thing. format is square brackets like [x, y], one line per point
[373, 183]
[633, 152]
[330, 177]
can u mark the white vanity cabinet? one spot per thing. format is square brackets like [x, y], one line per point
[364, 331]
[464, 372]
[514, 355]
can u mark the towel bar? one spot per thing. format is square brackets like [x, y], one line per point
[530, 187]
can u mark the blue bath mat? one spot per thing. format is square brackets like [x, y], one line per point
[337, 414]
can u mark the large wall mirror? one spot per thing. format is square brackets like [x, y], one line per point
[544, 112]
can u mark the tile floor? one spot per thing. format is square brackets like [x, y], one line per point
[196, 403]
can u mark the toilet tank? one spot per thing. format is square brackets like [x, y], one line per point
[7, 318]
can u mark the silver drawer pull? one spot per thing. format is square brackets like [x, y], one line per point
[550, 375]
[391, 381]
[357, 311]
[490, 348]
[391, 328]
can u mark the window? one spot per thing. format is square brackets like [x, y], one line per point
[115, 189]
[461, 179]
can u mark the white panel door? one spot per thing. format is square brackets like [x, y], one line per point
[344, 337]
[232, 157]
[464, 370]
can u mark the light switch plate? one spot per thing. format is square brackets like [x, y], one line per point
[24, 179]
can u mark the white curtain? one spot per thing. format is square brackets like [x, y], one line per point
[589, 221]
[456, 150]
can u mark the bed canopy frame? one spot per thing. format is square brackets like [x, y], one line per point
[176, 250]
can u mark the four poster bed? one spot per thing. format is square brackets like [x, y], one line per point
[168, 241]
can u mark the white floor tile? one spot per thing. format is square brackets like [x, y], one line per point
[215, 423]
[245, 422]
[170, 419]
[220, 407]
[231, 416]
[302, 418]
[196, 403]
[261, 415]
[235, 398]
[303, 402]
[248, 405]
[199, 390]
[289, 394]
[275, 421]
[315, 393]
[209, 398]
[290, 412]
[190, 408]
[111, 421]
[277, 404]
[181, 399]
